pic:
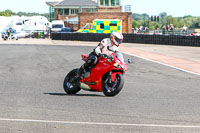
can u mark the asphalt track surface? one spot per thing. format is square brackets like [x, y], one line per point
[155, 98]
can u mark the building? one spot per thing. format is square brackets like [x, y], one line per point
[85, 11]
[66, 9]
[109, 6]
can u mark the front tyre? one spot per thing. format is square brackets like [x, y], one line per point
[110, 88]
[71, 82]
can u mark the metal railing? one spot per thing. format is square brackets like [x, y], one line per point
[165, 32]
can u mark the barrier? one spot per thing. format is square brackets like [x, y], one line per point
[132, 38]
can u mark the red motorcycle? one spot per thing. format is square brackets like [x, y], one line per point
[106, 76]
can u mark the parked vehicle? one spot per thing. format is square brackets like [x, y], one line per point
[66, 29]
[9, 34]
[102, 26]
[3, 35]
[23, 34]
[37, 24]
[57, 25]
[106, 76]
[25, 26]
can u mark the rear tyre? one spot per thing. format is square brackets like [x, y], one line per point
[71, 82]
[113, 88]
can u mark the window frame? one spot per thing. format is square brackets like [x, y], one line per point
[60, 10]
[109, 3]
[68, 11]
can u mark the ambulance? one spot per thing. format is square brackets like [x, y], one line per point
[102, 26]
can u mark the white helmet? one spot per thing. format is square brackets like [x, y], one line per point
[116, 38]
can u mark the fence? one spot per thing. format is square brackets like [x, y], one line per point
[132, 38]
[165, 32]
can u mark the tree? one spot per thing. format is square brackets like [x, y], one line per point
[163, 15]
[189, 21]
[171, 20]
[145, 16]
[7, 13]
[154, 26]
[137, 17]
[10, 13]
[135, 24]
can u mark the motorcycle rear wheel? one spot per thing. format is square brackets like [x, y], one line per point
[71, 82]
[112, 89]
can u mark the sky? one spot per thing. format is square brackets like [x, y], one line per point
[176, 8]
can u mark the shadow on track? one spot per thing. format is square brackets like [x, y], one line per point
[64, 94]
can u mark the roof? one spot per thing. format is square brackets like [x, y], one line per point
[73, 3]
[52, 3]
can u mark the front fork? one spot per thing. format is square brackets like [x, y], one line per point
[112, 76]
[109, 77]
[111, 81]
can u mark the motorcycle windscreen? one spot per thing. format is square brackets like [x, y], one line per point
[120, 56]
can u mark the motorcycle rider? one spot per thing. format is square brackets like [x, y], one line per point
[104, 49]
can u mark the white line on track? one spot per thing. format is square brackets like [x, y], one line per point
[163, 64]
[99, 123]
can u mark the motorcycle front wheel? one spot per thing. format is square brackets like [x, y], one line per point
[71, 82]
[112, 88]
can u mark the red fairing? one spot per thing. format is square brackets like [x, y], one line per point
[104, 65]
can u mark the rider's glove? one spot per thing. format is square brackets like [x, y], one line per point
[106, 56]
[110, 57]
[103, 55]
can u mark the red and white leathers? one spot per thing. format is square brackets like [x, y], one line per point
[106, 46]
[104, 49]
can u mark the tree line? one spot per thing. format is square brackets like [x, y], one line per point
[10, 13]
[138, 20]
[145, 20]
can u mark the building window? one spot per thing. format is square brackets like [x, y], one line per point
[66, 11]
[112, 2]
[106, 2]
[102, 2]
[102, 26]
[60, 11]
[117, 2]
[109, 2]
[113, 24]
[52, 13]
[91, 9]
[74, 11]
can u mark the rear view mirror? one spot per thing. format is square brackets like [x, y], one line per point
[129, 60]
